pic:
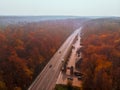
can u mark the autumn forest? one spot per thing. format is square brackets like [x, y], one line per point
[101, 54]
[26, 47]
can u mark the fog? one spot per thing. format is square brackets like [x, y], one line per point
[60, 7]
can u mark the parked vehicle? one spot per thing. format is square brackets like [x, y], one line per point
[78, 74]
[63, 69]
[68, 67]
[62, 61]
[79, 78]
[70, 78]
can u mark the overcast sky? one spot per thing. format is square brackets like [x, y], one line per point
[60, 7]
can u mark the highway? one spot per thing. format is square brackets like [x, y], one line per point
[46, 80]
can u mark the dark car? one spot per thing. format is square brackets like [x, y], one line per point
[59, 51]
[68, 67]
[50, 66]
[79, 78]
[78, 74]
[70, 78]
[63, 69]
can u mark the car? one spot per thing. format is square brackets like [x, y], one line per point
[63, 69]
[70, 78]
[78, 74]
[59, 51]
[68, 67]
[78, 55]
[62, 60]
[79, 78]
[50, 66]
[81, 44]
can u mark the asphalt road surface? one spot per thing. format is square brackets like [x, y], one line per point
[46, 80]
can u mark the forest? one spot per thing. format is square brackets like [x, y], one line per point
[25, 49]
[101, 54]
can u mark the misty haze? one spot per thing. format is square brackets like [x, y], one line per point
[60, 45]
